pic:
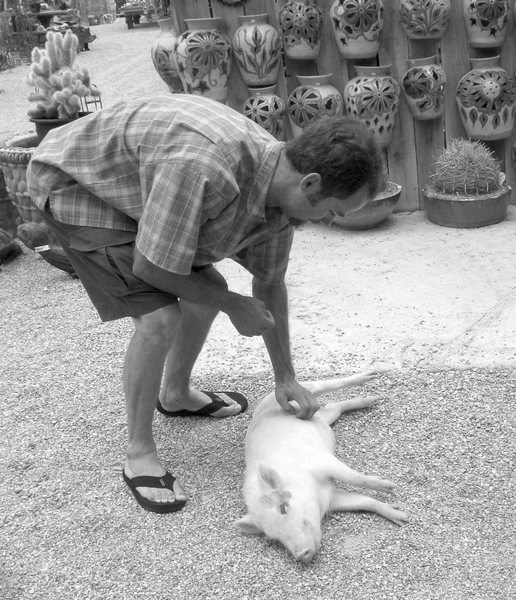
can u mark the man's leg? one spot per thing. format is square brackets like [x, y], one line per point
[186, 346]
[143, 369]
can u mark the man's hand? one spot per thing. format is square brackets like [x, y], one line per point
[294, 398]
[249, 315]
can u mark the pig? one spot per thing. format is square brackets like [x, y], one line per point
[291, 469]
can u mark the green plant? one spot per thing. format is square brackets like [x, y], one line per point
[466, 167]
[59, 85]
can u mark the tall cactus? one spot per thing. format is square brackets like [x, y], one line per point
[58, 84]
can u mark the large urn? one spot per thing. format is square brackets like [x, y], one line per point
[313, 98]
[203, 56]
[162, 55]
[257, 50]
[486, 22]
[424, 85]
[301, 23]
[373, 96]
[424, 19]
[265, 107]
[357, 26]
[485, 97]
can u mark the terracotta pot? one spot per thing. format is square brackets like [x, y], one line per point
[375, 212]
[485, 97]
[424, 19]
[257, 50]
[451, 210]
[374, 97]
[204, 56]
[315, 97]
[357, 26]
[162, 55]
[267, 109]
[424, 85]
[486, 22]
[301, 23]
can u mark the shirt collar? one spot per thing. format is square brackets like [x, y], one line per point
[262, 181]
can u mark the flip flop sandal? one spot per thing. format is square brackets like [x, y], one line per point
[166, 481]
[217, 402]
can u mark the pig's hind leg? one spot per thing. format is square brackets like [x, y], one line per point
[339, 471]
[333, 410]
[343, 501]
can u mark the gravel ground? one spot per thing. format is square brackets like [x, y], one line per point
[71, 529]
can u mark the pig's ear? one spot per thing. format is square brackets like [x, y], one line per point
[247, 526]
[269, 476]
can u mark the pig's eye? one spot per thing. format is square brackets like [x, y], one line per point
[283, 508]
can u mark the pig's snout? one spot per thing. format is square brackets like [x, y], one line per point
[306, 555]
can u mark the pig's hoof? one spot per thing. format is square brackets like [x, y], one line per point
[383, 485]
[397, 516]
[370, 401]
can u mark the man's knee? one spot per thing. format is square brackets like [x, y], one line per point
[159, 326]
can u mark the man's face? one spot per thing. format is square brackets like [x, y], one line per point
[310, 208]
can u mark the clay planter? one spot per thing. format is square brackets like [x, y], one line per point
[451, 210]
[486, 22]
[357, 26]
[424, 19]
[162, 55]
[265, 107]
[301, 23]
[424, 85]
[375, 212]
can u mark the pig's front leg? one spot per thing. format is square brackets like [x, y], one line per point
[341, 472]
[342, 501]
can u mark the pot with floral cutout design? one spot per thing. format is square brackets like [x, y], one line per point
[257, 50]
[424, 85]
[301, 23]
[357, 26]
[373, 96]
[485, 97]
[267, 109]
[486, 22]
[424, 19]
[204, 56]
[313, 98]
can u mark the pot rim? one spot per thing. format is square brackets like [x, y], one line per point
[430, 192]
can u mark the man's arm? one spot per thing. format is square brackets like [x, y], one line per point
[277, 341]
[248, 315]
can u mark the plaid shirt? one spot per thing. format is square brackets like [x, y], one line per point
[188, 174]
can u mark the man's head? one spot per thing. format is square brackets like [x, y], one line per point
[343, 151]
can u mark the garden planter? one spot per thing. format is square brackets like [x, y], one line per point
[375, 212]
[257, 50]
[301, 23]
[424, 85]
[357, 26]
[486, 22]
[204, 58]
[267, 109]
[424, 19]
[451, 210]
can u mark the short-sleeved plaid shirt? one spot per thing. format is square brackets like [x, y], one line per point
[188, 174]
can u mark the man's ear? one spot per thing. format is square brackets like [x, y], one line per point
[311, 183]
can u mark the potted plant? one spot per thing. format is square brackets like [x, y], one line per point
[61, 88]
[467, 187]
[376, 211]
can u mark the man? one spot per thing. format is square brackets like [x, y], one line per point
[145, 196]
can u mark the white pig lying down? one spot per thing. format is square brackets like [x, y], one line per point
[291, 471]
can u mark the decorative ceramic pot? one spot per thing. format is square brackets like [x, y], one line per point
[313, 98]
[485, 97]
[267, 109]
[162, 54]
[374, 97]
[423, 85]
[203, 56]
[357, 26]
[301, 23]
[375, 212]
[424, 19]
[486, 22]
[257, 50]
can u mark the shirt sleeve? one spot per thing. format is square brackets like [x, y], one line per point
[168, 230]
[268, 260]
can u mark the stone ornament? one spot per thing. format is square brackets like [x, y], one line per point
[357, 26]
[486, 22]
[301, 23]
[257, 50]
[424, 86]
[485, 97]
[424, 19]
[267, 109]
[203, 56]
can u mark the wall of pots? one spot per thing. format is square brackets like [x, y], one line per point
[417, 72]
